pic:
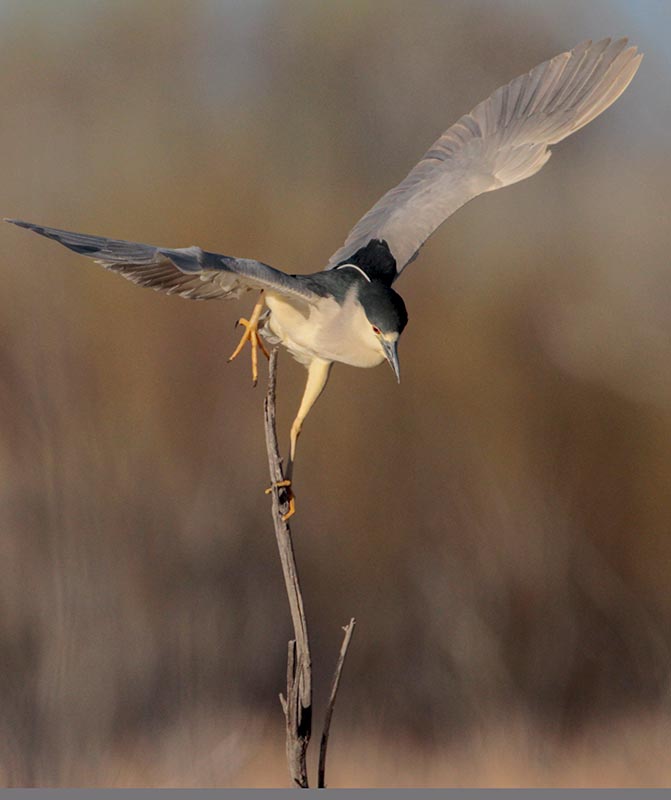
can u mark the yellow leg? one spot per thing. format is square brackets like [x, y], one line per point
[318, 375]
[251, 335]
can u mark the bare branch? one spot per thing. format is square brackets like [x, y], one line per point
[297, 706]
[321, 775]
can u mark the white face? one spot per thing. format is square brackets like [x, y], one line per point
[350, 337]
[381, 338]
[387, 343]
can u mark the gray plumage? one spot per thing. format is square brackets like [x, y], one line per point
[188, 272]
[503, 140]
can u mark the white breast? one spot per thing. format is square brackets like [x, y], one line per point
[324, 330]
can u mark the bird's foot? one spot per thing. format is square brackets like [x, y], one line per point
[252, 336]
[290, 497]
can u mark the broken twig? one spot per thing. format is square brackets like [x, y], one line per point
[321, 773]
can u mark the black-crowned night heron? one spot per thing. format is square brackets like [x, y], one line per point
[349, 312]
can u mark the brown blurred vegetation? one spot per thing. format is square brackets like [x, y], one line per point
[499, 524]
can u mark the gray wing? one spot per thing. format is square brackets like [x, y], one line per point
[188, 272]
[503, 140]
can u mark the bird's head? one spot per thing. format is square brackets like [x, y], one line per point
[386, 313]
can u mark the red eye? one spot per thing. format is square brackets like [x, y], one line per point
[376, 331]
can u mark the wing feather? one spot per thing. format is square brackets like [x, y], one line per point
[188, 272]
[503, 140]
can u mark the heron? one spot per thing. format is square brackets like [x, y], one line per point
[349, 311]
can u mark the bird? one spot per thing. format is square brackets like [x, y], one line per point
[349, 312]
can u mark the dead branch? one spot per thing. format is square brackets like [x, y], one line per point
[321, 773]
[297, 705]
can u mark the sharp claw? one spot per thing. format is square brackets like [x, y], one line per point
[286, 485]
[251, 335]
[292, 509]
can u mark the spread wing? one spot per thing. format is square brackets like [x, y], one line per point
[503, 140]
[188, 272]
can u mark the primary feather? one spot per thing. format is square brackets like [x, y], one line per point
[503, 140]
[188, 272]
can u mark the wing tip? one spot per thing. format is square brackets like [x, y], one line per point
[20, 222]
[603, 44]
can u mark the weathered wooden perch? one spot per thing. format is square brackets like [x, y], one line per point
[321, 771]
[297, 704]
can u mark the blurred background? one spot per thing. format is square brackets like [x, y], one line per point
[499, 524]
